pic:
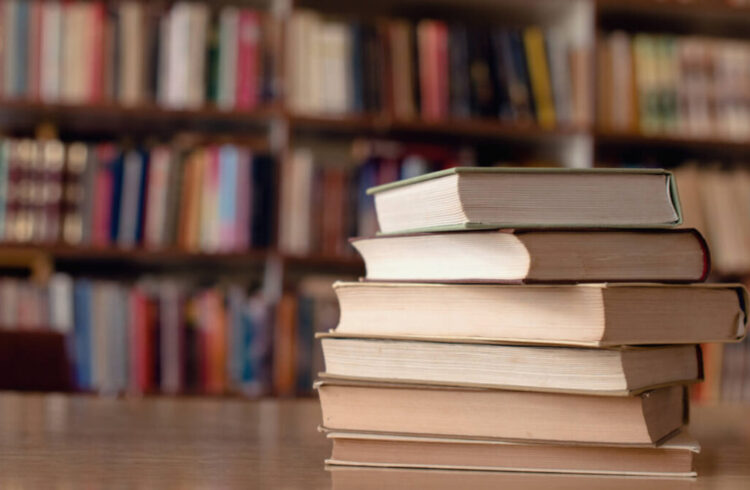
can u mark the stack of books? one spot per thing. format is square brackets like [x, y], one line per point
[525, 320]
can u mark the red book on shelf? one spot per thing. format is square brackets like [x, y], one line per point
[433, 68]
[214, 325]
[102, 199]
[442, 75]
[141, 368]
[334, 183]
[248, 37]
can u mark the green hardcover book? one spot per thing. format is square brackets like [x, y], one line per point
[466, 198]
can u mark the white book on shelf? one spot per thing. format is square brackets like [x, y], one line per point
[176, 93]
[296, 196]
[558, 51]
[61, 303]
[227, 83]
[51, 51]
[334, 65]
[622, 76]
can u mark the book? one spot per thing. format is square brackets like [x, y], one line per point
[674, 458]
[539, 73]
[622, 371]
[645, 419]
[588, 314]
[528, 256]
[474, 198]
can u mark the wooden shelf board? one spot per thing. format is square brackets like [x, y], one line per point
[172, 255]
[615, 138]
[474, 127]
[103, 116]
[321, 260]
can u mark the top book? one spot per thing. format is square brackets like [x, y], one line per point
[476, 198]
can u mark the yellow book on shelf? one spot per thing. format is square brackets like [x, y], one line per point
[541, 86]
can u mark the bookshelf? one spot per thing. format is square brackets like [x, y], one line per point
[273, 125]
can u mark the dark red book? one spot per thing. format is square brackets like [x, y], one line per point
[248, 42]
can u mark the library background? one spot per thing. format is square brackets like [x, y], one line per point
[178, 180]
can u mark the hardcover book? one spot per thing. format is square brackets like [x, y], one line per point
[529, 256]
[474, 198]
[646, 419]
[587, 314]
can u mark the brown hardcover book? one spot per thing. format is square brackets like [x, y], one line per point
[673, 458]
[615, 372]
[285, 346]
[537, 256]
[498, 414]
[587, 314]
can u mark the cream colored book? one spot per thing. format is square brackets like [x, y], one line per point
[648, 418]
[673, 458]
[616, 372]
[502, 197]
[582, 314]
[529, 255]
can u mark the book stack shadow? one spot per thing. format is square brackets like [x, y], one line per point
[541, 320]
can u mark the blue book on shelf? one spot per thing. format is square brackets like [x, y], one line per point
[305, 343]
[142, 186]
[228, 163]
[82, 290]
[116, 168]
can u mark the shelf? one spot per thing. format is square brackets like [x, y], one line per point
[106, 116]
[707, 17]
[615, 138]
[177, 257]
[347, 262]
[475, 128]
[109, 116]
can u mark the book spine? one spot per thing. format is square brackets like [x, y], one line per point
[248, 48]
[539, 74]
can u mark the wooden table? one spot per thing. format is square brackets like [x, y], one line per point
[70, 442]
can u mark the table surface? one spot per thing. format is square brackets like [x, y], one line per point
[68, 442]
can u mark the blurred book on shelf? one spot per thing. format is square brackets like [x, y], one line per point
[687, 86]
[213, 198]
[135, 52]
[156, 335]
[323, 203]
[713, 201]
[435, 70]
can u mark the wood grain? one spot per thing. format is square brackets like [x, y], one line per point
[57, 441]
